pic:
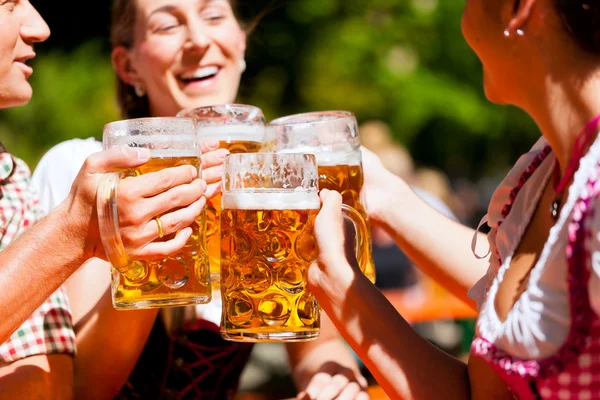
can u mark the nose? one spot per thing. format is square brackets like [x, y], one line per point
[34, 28]
[197, 40]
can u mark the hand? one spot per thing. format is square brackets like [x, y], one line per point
[334, 381]
[329, 235]
[212, 166]
[377, 183]
[173, 193]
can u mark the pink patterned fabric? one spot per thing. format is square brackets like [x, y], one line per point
[574, 371]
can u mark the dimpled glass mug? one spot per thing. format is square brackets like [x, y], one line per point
[332, 136]
[183, 278]
[240, 129]
[269, 205]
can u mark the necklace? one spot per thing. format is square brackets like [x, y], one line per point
[558, 183]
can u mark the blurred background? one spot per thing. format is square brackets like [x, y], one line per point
[401, 65]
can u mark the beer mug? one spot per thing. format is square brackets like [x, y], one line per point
[182, 279]
[239, 129]
[333, 137]
[269, 205]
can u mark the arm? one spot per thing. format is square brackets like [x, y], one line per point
[326, 367]
[402, 361]
[38, 377]
[440, 246]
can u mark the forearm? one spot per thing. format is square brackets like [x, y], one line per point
[402, 361]
[329, 354]
[34, 266]
[109, 344]
[440, 246]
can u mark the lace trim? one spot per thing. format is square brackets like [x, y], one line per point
[578, 277]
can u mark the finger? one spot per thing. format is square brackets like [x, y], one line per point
[350, 391]
[154, 183]
[363, 396]
[317, 384]
[115, 158]
[213, 189]
[329, 222]
[159, 250]
[175, 221]
[214, 158]
[208, 145]
[334, 388]
[177, 197]
[213, 174]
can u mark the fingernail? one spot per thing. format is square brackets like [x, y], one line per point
[212, 144]
[142, 154]
[223, 154]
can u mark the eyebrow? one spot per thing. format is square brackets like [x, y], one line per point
[169, 7]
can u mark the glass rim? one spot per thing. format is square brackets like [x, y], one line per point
[191, 112]
[300, 119]
[120, 127]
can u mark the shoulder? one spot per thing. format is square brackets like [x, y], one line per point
[71, 153]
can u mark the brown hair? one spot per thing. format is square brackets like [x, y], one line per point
[122, 33]
[582, 19]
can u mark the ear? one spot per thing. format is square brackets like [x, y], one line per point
[122, 64]
[521, 15]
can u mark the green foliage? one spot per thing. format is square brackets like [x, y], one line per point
[73, 98]
[400, 61]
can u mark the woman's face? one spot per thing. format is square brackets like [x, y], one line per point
[504, 59]
[21, 26]
[187, 53]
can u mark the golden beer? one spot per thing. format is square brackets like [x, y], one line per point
[348, 181]
[213, 210]
[267, 246]
[181, 279]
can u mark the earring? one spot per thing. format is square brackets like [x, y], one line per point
[139, 90]
[519, 32]
[242, 64]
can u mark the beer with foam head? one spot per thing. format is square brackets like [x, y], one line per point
[182, 278]
[332, 136]
[267, 246]
[239, 129]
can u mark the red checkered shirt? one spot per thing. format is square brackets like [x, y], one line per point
[49, 329]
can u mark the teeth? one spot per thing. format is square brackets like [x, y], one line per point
[200, 73]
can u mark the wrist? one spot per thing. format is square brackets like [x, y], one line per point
[76, 228]
[391, 194]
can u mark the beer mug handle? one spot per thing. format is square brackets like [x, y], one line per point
[362, 235]
[108, 224]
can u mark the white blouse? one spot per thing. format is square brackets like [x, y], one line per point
[539, 322]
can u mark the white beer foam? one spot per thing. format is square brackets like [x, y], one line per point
[189, 141]
[328, 158]
[271, 200]
[250, 133]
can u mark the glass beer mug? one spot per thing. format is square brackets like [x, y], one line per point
[269, 205]
[182, 279]
[240, 129]
[333, 137]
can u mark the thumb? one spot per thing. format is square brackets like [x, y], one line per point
[115, 158]
[329, 223]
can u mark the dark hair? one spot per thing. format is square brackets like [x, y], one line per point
[582, 20]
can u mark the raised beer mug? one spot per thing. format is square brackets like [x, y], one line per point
[240, 129]
[269, 205]
[183, 278]
[332, 136]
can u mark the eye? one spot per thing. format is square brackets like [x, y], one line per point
[214, 14]
[164, 23]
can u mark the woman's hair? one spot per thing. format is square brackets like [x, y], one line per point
[582, 20]
[122, 33]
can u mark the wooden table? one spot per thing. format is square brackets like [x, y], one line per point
[431, 304]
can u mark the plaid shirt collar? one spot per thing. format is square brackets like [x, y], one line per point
[7, 167]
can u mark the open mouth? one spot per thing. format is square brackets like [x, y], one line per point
[200, 75]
